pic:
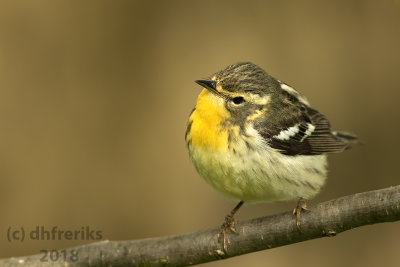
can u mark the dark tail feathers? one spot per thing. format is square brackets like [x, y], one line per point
[347, 138]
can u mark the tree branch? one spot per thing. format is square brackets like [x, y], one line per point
[325, 219]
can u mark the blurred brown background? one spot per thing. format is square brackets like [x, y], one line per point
[94, 98]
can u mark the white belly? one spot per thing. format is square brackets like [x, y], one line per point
[261, 175]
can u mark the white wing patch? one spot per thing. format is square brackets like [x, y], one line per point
[287, 134]
[294, 92]
[309, 131]
[289, 89]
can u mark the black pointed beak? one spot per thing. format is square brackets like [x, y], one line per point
[209, 85]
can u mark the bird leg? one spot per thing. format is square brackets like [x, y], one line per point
[301, 205]
[228, 225]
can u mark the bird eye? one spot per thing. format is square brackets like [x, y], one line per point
[238, 100]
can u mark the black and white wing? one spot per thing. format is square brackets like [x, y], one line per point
[297, 129]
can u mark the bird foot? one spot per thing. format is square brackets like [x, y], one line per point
[301, 205]
[228, 225]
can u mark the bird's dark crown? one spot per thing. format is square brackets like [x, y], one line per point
[245, 77]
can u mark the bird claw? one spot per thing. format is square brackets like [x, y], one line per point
[228, 225]
[301, 205]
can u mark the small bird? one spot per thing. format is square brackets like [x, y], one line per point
[256, 139]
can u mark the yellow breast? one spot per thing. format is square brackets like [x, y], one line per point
[206, 129]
